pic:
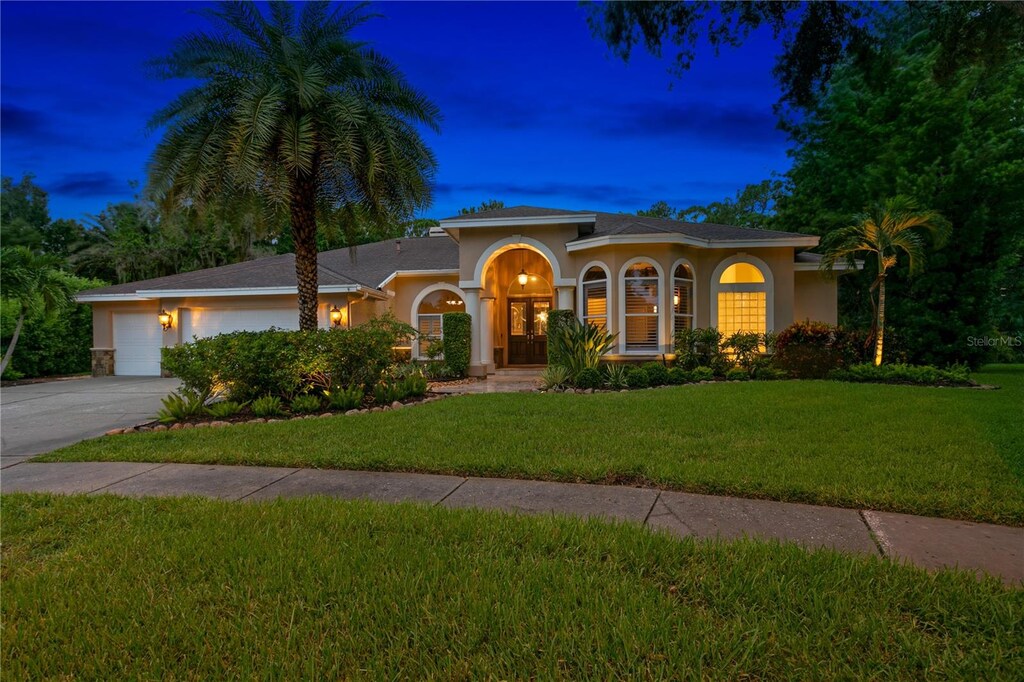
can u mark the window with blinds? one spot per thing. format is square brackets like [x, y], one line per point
[595, 297]
[641, 307]
[682, 298]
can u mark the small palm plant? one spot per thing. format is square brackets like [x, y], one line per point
[581, 345]
[885, 230]
[33, 281]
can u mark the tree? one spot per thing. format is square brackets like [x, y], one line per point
[292, 111]
[754, 206]
[660, 209]
[884, 231]
[34, 282]
[24, 212]
[489, 205]
[898, 123]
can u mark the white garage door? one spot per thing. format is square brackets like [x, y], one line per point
[136, 344]
[203, 322]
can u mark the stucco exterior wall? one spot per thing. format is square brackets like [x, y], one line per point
[816, 298]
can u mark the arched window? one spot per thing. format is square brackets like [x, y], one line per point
[682, 298]
[594, 298]
[742, 297]
[642, 289]
[430, 310]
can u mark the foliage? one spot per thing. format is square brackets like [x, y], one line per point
[345, 398]
[745, 348]
[415, 385]
[49, 344]
[884, 231]
[557, 319]
[182, 405]
[224, 409]
[955, 375]
[33, 283]
[439, 371]
[907, 120]
[636, 377]
[579, 345]
[616, 376]
[769, 373]
[810, 350]
[701, 348]
[293, 111]
[268, 406]
[737, 374]
[589, 377]
[554, 376]
[699, 374]
[305, 404]
[753, 207]
[657, 373]
[678, 375]
[489, 205]
[457, 330]
[285, 363]
[387, 392]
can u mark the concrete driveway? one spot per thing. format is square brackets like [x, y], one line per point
[37, 418]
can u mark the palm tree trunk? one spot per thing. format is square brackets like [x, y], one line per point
[14, 342]
[880, 336]
[303, 215]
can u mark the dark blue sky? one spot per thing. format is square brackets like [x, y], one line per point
[536, 111]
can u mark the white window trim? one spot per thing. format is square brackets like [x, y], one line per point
[414, 314]
[768, 287]
[581, 297]
[693, 296]
[622, 306]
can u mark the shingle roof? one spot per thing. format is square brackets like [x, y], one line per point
[366, 265]
[625, 223]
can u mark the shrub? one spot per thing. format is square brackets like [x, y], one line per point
[182, 405]
[810, 350]
[636, 377]
[678, 375]
[557, 319]
[580, 345]
[267, 406]
[657, 373]
[615, 376]
[554, 376]
[737, 374]
[701, 348]
[745, 348]
[438, 371]
[702, 374]
[769, 373]
[285, 363]
[386, 392]
[304, 404]
[224, 409]
[415, 385]
[589, 377]
[457, 331]
[345, 398]
[927, 375]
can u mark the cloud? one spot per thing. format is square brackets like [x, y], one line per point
[21, 122]
[737, 125]
[87, 185]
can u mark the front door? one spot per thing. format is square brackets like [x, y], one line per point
[528, 331]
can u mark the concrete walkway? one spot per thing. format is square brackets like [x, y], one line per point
[927, 542]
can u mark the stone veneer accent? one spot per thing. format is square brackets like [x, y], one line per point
[102, 362]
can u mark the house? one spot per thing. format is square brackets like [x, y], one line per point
[642, 278]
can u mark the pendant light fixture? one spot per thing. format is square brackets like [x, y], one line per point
[522, 277]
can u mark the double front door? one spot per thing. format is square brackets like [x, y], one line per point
[528, 331]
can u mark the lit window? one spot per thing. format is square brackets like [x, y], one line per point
[742, 300]
[682, 298]
[428, 315]
[641, 307]
[595, 297]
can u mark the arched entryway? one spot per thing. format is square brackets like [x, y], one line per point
[519, 280]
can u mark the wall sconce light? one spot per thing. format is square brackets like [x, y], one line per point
[523, 278]
[337, 316]
[166, 320]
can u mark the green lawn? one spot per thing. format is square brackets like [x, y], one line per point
[113, 588]
[935, 451]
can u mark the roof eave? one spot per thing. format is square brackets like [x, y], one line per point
[525, 221]
[801, 241]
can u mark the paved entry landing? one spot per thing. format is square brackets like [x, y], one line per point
[503, 381]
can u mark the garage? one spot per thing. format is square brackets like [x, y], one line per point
[137, 338]
[203, 322]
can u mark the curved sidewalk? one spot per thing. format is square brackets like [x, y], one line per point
[927, 542]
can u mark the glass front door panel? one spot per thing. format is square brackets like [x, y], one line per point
[528, 329]
[540, 317]
[517, 318]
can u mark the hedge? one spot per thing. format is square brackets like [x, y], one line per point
[810, 350]
[557, 320]
[457, 331]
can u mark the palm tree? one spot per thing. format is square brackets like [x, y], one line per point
[885, 229]
[295, 112]
[31, 280]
